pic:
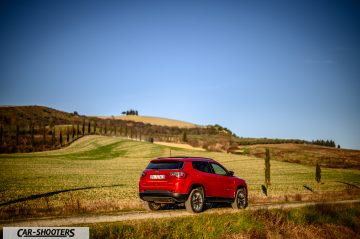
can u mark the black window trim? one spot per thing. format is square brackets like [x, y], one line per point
[158, 169]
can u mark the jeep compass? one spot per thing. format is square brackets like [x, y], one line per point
[192, 181]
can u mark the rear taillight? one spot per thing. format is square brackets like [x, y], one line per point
[143, 174]
[178, 174]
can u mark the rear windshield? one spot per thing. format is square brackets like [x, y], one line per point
[165, 165]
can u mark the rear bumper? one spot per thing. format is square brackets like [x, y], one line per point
[163, 196]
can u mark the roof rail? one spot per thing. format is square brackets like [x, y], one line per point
[182, 157]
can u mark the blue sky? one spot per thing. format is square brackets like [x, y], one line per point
[276, 69]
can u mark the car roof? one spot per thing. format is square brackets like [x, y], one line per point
[185, 158]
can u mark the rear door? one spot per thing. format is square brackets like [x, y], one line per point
[205, 176]
[222, 181]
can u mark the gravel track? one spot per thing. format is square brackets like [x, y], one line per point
[141, 215]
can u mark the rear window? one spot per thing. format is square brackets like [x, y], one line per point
[202, 166]
[165, 165]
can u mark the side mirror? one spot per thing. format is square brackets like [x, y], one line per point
[231, 173]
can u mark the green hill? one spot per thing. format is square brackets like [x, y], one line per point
[38, 128]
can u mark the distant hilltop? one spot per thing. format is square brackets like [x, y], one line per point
[154, 121]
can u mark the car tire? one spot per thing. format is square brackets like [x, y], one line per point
[240, 201]
[152, 206]
[196, 201]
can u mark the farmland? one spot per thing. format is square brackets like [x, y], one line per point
[307, 154]
[154, 121]
[100, 174]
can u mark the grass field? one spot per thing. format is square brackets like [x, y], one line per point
[320, 221]
[154, 121]
[100, 174]
[308, 154]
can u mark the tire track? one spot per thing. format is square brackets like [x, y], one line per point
[141, 215]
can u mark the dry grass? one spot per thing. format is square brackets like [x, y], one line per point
[308, 154]
[320, 221]
[154, 121]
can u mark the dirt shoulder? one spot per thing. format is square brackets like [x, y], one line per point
[140, 215]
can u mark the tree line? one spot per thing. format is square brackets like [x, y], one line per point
[130, 112]
[321, 142]
[31, 137]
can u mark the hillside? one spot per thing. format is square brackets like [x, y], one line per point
[39, 128]
[22, 115]
[306, 154]
[153, 120]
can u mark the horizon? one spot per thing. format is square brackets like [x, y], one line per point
[263, 70]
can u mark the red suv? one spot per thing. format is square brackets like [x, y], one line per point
[190, 180]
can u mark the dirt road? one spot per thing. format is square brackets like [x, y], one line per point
[141, 215]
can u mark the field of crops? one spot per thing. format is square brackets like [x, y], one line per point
[154, 121]
[100, 174]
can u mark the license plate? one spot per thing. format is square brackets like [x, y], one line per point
[157, 176]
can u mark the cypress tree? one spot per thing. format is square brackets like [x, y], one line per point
[60, 137]
[184, 136]
[267, 167]
[1, 135]
[67, 134]
[53, 138]
[318, 173]
[73, 132]
[83, 128]
[44, 136]
[32, 135]
[17, 135]
[78, 130]
[121, 130]
[89, 129]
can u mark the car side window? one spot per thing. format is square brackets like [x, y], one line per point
[202, 166]
[218, 169]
